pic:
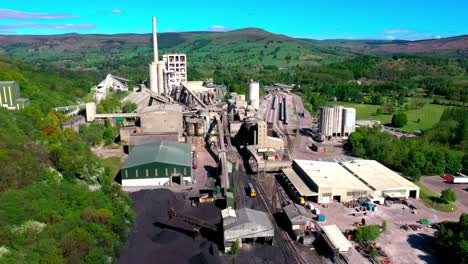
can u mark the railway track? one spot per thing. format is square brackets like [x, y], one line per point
[283, 240]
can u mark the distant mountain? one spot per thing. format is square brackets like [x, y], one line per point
[249, 47]
[459, 43]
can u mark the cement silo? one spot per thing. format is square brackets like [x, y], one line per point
[326, 120]
[349, 121]
[337, 120]
[254, 94]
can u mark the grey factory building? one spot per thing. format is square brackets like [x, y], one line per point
[246, 225]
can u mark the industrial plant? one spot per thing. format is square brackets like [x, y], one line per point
[260, 162]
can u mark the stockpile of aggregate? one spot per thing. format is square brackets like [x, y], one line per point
[155, 239]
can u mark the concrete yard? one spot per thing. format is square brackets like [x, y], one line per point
[437, 184]
[401, 246]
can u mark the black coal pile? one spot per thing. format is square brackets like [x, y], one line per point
[156, 239]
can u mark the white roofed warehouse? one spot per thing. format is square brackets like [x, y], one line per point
[330, 181]
[382, 180]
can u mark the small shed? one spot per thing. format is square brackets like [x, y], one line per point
[319, 147]
[337, 239]
[300, 220]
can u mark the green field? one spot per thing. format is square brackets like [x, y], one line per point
[113, 163]
[429, 197]
[429, 115]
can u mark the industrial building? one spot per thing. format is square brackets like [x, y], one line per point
[254, 94]
[338, 241]
[10, 96]
[246, 225]
[330, 181]
[382, 180]
[337, 121]
[264, 142]
[299, 220]
[158, 164]
[110, 84]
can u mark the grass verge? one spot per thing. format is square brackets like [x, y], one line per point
[113, 163]
[430, 198]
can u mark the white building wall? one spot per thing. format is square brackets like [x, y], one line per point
[145, 182]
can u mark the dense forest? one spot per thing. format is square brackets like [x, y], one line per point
[442, 149]
[57, 202]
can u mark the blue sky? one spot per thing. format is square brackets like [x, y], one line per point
[410, 19]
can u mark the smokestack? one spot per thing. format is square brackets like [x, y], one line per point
[155, 42]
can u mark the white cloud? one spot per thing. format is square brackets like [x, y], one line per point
[398, 31]
[437, 36]
[390, 37]
[116, 11]
[218, 28]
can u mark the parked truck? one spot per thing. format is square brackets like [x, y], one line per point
[459, 178]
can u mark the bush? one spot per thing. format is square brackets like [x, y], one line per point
[399, 119]
[367, 233]
[448, 196]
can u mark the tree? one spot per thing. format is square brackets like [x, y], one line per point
[129, 107]
[367, 233]
[235, 247]
[451, 241]
[448, 196]
[399, 119]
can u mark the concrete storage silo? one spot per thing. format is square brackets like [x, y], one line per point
[326, 120]
[349, 121]
[337, 120]
[254, 94]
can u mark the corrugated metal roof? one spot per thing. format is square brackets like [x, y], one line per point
[337, 238]
[377, 175]
[247, 215]
[7, 82]
[293, 211]
[298, 183]
[330, 175]
[161, 152]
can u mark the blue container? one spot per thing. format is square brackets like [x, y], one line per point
[320, 218]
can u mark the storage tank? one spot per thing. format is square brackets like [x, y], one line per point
[190, 127]
[326, 120]
[153, 77]
[349, 121]
[200, 128]
[254, 94]
[337, 120]
[161, 86]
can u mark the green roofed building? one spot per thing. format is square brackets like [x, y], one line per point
[10, 96]
[158, 163]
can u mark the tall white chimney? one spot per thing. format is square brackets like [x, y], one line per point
[155, 41]
[153, 67]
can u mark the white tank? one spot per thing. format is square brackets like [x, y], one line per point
[326, 120]
[349, 121]
[254, 94]
[153, 77]
[337, 120]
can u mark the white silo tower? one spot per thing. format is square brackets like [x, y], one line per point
[326, 120]
[349, 121]
[254, 94]
[337, 120]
